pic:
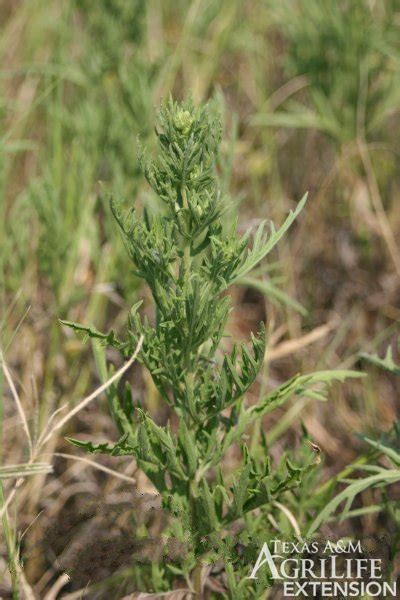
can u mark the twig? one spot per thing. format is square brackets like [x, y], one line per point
[57, 586]
[18, 403]
[291, 346]
[93, 395]
[290, 518]
[96, 465]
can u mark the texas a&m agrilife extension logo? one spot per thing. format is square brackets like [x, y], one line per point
[328, 569]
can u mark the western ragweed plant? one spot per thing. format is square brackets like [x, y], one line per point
[189, 257]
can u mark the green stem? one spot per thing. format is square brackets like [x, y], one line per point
[346, 471]
[187, 243]
[11, 549]
[187, 263]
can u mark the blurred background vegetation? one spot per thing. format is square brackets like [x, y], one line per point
[309, 91]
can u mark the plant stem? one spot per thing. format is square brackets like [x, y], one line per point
[186, 250]
[11, 549]
[346, 471]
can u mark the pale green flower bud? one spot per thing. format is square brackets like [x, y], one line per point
[183, 121]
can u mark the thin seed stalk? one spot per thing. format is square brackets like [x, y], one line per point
[11, 548]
